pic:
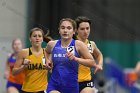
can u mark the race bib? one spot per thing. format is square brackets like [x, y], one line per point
[71, 49]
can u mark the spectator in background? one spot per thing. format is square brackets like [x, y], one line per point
[14, 83]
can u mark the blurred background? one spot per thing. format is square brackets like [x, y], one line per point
[115, 29]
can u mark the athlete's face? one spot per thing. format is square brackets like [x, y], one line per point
[36, 38]
[17, 45]
[83, 30]
[66, 30]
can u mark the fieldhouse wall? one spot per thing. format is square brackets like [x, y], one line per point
[12, 25]
[127, 54]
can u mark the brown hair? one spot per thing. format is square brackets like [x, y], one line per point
[36, 29]
[81, 19]
[70, 20]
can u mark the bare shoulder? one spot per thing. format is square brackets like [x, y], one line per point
[24, 53]
[51, 44]
[79, 44]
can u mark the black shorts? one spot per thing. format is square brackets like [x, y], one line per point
[84, 84]
[33, 92]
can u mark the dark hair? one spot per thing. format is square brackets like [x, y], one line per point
[36, 29]
[81, 19]
[70, 20]
[46, 38]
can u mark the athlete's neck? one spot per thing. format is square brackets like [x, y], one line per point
[36, 49]
[83, 40]
[65, 43]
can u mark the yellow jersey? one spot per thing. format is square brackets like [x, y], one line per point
[84, 73]
[36, 74]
